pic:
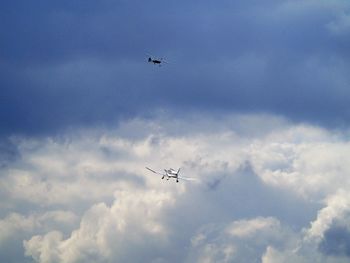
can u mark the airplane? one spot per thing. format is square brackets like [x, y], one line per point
[170, 173]
[155, 61]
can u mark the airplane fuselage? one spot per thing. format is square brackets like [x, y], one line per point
[155, 61]
[171, 173]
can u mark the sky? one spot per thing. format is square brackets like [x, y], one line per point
[252, 103]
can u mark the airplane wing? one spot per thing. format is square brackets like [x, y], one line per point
[153, 171]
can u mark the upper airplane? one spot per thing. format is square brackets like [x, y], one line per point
[156, 61]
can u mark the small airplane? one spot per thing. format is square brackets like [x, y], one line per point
[171, 173]
[155, 61]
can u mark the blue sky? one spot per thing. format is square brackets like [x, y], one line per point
[253, 103]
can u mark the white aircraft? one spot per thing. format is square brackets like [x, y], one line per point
[171, 173]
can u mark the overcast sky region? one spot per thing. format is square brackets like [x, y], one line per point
[253, 103]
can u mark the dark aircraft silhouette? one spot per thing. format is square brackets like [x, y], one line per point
[156, 61]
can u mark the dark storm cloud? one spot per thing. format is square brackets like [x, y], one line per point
[336, 242]
[84, 62]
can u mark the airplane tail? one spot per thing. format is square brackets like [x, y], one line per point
[178, 171]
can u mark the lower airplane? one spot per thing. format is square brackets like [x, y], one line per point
[171, 173]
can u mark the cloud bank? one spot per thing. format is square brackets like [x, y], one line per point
[261, 194]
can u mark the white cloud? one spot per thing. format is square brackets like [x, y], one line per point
[247, 228]
[240, 241]
[109, 234]
[337, 207]
[15, 222]
[267, 190]
[307, 160]
[44, 249]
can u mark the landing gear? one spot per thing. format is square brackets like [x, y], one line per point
[163, 177]
[177, 180]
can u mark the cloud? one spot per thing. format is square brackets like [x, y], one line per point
[268, 193]
[16, 227]
[242, 240]
[15, 222]
[8, 152]
[131, 224]
[336, 209]
[336, 242]
[245, 228]
[81, 64]
[322, 241]
[302, 164]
